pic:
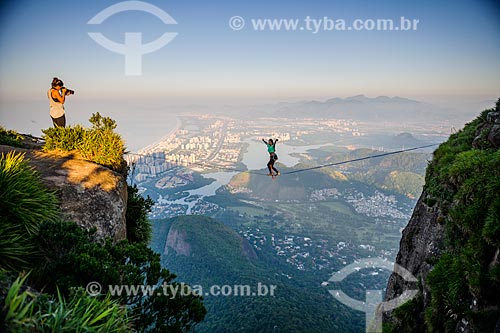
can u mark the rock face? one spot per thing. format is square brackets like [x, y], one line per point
[488, 135]
[91, 195]
[176, 240]
[200, 236]
[247, 249]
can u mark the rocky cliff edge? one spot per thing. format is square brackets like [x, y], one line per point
[90, 195]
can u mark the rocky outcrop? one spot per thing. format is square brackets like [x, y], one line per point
[90, 195]
[488, 134]
[176, 240]
[421, 243]
[247, 249]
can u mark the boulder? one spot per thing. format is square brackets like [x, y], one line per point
[90, 195]
[494, 136]
[488, 134]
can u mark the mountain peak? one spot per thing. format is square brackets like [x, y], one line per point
[196, 236]
[364, 99]
[357, 98]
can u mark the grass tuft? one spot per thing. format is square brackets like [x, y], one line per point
[10, 138]
[26, 311]
[24, 204]
[99, 144]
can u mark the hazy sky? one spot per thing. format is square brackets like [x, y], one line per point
[454, 53]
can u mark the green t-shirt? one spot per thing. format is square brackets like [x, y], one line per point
[270, 148]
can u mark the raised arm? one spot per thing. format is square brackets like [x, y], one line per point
[264, 140]
[56, 96]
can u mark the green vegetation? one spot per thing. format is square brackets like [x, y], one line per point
[248, 210]
[408, 183]
[138, 225]
[70, 258]
[402, 173]
[332, 218]
[201, 231]
[438, 176]
[339, 207]
[471, 181]
[10, 138]
[62, 259]
[24, 204]
[408, 317]
[278, 210]
[27, 311]
[99, 144]
[219, 256]
[464, 182]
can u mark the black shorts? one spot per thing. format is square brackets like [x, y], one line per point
[59, 122]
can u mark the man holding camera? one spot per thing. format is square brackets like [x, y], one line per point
[57, 96]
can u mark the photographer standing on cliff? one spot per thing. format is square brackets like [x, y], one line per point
[57, 96]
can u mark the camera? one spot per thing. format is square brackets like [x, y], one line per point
[68, 91]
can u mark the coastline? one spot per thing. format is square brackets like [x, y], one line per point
[178, 126]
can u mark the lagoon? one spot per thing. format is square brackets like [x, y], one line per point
[256, 156]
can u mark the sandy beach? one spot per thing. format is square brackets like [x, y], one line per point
[178, 125]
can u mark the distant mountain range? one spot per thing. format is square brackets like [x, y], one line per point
[362, 108]
[381, 109]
